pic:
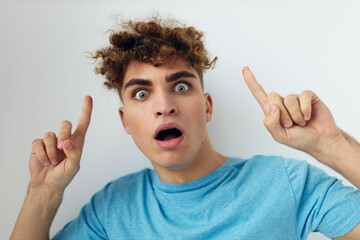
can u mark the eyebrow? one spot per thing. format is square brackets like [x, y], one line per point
[169, 78]
[175, 76]
[137, 81]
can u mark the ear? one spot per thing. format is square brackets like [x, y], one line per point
[123, 120]
[209, 106]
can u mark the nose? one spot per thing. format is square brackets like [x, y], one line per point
[165, 112]
[164, 105]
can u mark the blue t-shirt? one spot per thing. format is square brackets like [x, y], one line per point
[265, 197]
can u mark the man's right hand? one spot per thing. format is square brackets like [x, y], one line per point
[54, 161]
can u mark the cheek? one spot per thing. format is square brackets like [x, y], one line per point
[198, 108]
[138, 122]
[196, 116]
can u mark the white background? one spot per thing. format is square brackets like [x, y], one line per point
[290, 46]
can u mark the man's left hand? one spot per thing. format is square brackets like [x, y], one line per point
[301, 121]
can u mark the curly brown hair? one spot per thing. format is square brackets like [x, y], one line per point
[154, 41]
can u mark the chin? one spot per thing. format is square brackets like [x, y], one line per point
[171, 161]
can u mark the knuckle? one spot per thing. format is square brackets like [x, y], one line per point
[48, 135]
[36, 142]
[66, 123]
[268, 122]
[306, 93]
[38, 145]
[290, 100]
[278, 138]
[275, 137]
[274, 95]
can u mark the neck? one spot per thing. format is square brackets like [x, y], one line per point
[203, 163]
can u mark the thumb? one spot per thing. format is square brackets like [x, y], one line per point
[67, 146]
[273, 124]
[73, 154]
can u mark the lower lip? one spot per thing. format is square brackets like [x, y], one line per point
[170, 143]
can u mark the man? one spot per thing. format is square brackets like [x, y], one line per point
[194, 192]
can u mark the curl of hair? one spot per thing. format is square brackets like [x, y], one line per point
[152, 42]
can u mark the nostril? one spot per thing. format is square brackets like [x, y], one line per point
[161, 113]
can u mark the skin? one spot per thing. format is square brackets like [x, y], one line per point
[48, 181]
[194, 157]
[300, 121]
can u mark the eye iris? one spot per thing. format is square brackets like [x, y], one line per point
[181, 88]
[142, 95]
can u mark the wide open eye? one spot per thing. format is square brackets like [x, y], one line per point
[181, 87]
[141, 95]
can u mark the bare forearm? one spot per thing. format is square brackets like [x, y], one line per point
[36, 215]
[344, 157]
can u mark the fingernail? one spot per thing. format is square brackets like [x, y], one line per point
[302, 124]
[273, 109]
[53, 162]
[46, 163]
[287, 123]
[68, 146]
[60, 143]
[307, 117]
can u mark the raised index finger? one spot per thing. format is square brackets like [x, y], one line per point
[256, 89]
[85, 117]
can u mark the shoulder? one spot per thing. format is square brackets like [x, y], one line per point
[278, 168]
[269, 162]
[262, 170]
[296, 171]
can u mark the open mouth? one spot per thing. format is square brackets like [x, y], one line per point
[168, 134]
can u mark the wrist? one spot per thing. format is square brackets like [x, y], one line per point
[46, 197]
[341, 154]
[328, 152]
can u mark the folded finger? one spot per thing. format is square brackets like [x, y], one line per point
[64, 133]
[50, 146]
[292, 105]
[38, 148]
[272, 123]
[306, 99]
[276, 99]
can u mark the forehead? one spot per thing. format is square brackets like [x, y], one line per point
[137, 69]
